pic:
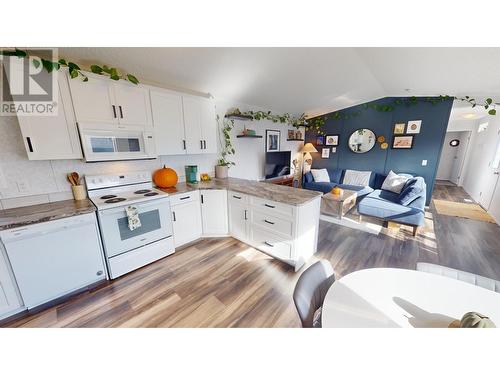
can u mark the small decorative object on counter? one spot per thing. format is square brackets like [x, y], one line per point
[205, 177]
[79, 191]
[165, 177]
[473, 320]
[191, 174]
[337, 191]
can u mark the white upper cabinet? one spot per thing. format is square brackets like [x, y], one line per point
[52, 137]
[200, 124]
[133, 106]
[103, 101]
[209, 126]
[93, 100]
[168, 122]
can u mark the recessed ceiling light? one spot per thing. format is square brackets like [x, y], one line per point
[469, 115]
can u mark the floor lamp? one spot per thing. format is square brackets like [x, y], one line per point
[306, 149]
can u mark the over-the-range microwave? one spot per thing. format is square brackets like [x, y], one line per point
[103, 142]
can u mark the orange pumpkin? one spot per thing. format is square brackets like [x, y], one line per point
[165, 177]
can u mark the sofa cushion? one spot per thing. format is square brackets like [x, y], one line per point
[394, 182]
[377, 180]
[359, 178]
[374, 204]
[320, 175]
[414, 188]
[308, 177]
[324, 187]
[361, 191]
[335, 175]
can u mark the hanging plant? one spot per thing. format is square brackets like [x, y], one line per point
[227, 147]
[73, 69]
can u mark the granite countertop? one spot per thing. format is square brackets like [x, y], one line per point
[21, 216]
[265, 190]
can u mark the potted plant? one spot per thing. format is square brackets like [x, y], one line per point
[223, 164]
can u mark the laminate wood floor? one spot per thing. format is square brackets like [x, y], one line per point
[225, 283]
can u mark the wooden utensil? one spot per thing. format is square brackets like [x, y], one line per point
[73, 178]
[76, 177]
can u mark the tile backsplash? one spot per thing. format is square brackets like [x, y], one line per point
[25, 182]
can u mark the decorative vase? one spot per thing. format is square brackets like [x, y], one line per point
[221, 171]
[79, 192]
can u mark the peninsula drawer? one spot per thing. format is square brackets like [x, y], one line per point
[184, 197]
[237, 197]
[271, 244]
[272, 223]
[272, 207]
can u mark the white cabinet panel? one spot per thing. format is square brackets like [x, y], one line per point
[132, 104]
[168, 122]
[192, 124]
[271, 244]
[214, 212]
[208, 126]
[186, 221]
[9, 298]
[94, 100]
[238, 220]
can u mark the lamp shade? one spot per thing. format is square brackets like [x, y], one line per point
[308, 147]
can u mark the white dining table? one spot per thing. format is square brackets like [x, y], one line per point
[391, 297]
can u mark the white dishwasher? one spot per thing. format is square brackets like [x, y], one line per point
[55, 258]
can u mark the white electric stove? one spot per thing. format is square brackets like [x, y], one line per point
[127, 250]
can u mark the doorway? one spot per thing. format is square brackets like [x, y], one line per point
[453, 155]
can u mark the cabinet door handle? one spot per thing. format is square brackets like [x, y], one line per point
[268, 244]
[246, 215]
[202, 199]
[269, 222]
[205, 145]
[114, 111]
[268, 205]
[186, 197]
[121, 112]
[173, 214]
[184, 143]
[235, 196]
[201, 144]
[30, 145]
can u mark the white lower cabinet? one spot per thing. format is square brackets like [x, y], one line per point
[214, 212]
[239, 216]
[10, 301]
[186, 217]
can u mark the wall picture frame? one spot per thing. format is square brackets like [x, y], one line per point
[332, 140]
[402, 142]
[273, 140]
[325, 153]
[334, 150]
[414, 127]
[291, 134]
[399, 128]
[320, 140]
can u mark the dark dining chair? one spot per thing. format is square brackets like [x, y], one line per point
[310, 292]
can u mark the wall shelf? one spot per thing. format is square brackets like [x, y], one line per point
[248, 136]
[239, 117]
[298, 140]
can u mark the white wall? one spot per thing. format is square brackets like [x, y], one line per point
[448, 155]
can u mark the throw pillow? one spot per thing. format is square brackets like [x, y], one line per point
[414, 188]
[358, 178]
[308, 177]
[320, 175]
[394, 182]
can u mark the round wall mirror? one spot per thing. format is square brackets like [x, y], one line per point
[362, 140]
[454, 142]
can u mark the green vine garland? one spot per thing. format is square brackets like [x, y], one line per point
[73, 69]
[227, 147]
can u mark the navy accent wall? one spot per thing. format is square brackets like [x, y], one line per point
[426, 145]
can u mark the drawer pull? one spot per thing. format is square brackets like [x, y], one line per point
[268, 205]
[246, 215]
[235, 196]
[186, 197]
[269, 222]
[173, 213]
[268, 244]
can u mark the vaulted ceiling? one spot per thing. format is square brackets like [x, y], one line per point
[310, 80]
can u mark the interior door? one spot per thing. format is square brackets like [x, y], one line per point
[192, 122]
[492, 170]
[209, 126]
[133, 107]
[168, 122]
[94, 100]
[456, 170]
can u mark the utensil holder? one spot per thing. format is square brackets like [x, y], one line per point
[79, 192]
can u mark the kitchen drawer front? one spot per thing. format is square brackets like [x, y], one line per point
[237, 197]
[272, 207]
[271, 243]
[184, 197]
[272, 223]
